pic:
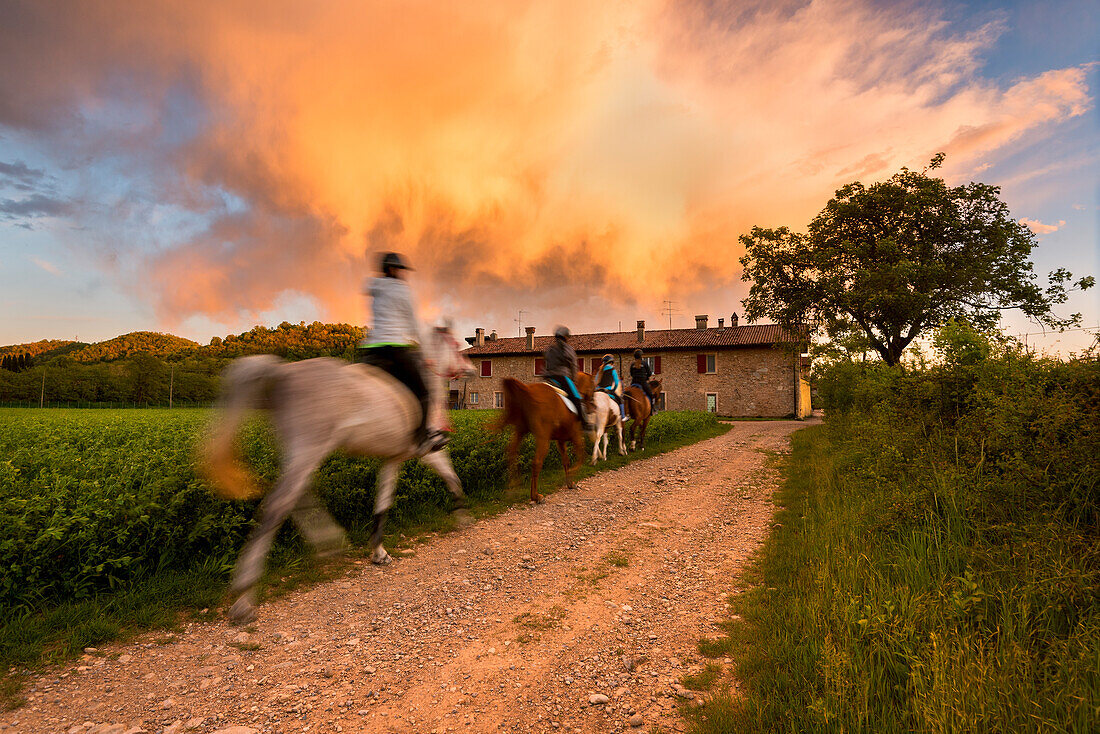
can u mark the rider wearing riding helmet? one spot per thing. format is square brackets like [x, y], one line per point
[609, 381]
[393, 342]
[561, 370]
[640, 373]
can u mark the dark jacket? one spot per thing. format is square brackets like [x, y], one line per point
[640, 373]
[609, 378]
[561, 360]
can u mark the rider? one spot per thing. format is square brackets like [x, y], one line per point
[561, 370]
[639, 375]
[392, 344]
[609, 382]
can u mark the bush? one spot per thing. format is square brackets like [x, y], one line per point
[937, 565]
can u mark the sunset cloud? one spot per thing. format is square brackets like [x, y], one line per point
[580, 161]
[46, 265]
[1039, 228]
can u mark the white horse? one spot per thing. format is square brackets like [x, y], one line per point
[318, 406]
[607, 416]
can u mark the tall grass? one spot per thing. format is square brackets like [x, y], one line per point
[936, 566]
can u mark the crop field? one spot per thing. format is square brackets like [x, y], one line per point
[95, 500]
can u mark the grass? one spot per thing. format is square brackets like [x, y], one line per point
[170, 599]
[865, 612]
[617, 559]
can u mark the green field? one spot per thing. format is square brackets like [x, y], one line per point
[103, 510]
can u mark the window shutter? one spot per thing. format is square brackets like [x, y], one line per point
[540, 365]
[580, 364]
[486, 368]
[657, 365]
[701, 363]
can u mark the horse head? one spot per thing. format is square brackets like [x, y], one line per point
[655, 388]
[586, 386]
[446, 355]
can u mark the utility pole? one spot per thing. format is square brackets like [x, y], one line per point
[42, 395]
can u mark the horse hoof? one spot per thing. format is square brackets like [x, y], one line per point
[242, 612]
[463, 518]
[380, 557]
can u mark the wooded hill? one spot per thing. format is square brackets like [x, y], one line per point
[149, 368]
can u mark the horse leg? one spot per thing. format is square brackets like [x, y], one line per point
[641, 439]
[513, 452]
[542, 446]
[383, 500]
[318, 526]
[578, 449]
[440, 461]
[565, 463]
[600, 431]
[619, 433]
[273, 511]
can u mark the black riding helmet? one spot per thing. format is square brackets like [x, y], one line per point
[393, 260]
[637, 354]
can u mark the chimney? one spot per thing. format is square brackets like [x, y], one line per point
[479, 337]
[641, 331]
[721, 323]
[733, 320]
[530, 338]
[701, 321]
[493, 336]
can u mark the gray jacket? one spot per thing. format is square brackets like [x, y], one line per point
[391, 306]
[561, 360]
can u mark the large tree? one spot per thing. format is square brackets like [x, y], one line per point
[899, 257]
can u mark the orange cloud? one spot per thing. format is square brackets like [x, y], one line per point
[1039, 228]
[580, 161]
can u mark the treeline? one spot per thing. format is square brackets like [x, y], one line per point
[147, 368]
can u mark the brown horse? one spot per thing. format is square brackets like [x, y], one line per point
[538, 409]
[638, 409]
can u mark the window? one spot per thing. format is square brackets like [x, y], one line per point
[707, 364]
[597, 362]
[486, 368]
[712, 402]
[654, 363]
[661, 402]
[580, 364]
[540, 366]
[498, 400]
[473, 398]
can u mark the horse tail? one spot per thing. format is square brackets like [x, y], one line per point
[244, 387]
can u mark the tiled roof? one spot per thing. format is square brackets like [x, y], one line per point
[729, 337]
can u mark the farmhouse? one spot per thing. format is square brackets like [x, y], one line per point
[741, 371]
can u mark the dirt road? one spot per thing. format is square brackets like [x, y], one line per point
[521, 622]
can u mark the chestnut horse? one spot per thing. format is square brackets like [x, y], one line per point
[538, 409]
[639, 410]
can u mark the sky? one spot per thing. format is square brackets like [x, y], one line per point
[202, 168]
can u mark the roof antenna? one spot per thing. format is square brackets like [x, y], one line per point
[669, 310]
[519, 322]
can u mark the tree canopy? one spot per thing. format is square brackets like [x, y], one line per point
[899, 257]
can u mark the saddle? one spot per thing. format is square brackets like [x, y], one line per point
[564, 397]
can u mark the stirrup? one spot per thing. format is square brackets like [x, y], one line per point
[436, 441]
